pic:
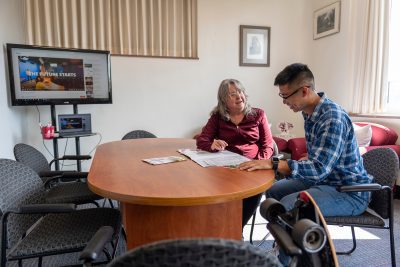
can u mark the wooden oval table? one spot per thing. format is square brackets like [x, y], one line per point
[174, 200]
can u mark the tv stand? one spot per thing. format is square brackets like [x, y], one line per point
[55, 139]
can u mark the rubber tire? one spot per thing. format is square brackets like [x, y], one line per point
[309, 235]
[271, 208]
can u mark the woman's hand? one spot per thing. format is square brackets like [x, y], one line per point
[219, 145]
[265, 164]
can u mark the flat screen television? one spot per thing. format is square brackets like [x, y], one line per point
[56, 76]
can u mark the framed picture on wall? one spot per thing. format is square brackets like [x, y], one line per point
[327, 20]
[254, 46]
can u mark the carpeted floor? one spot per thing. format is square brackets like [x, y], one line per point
[373, 246]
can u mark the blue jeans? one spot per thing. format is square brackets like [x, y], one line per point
[330, 201]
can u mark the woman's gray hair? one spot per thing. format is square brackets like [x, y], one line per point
[223, 93]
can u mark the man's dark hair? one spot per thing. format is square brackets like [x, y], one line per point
[294, 72]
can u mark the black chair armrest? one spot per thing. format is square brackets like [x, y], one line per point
[75, 157]
[65, 175]
[359, 188]
[46, 208]
[96, 244]
[30, 209]
[50, 173]
[50, 181]
[74, 175]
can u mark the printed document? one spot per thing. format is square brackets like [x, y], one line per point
[206, 159]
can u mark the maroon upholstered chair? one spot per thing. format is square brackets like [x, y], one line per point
[382, 136]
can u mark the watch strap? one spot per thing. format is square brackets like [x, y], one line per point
[275, 164]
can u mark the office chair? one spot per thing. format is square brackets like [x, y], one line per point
[194, 253]
[276, 153]
[75, 191]
[383, 165]
[138, 134]
[31, 228]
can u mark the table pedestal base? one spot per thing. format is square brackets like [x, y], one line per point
[145, 224]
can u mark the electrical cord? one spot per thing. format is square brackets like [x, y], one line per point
[48, 151]
[37, 108]
[40, 131]
[98, 143]
[65, 149]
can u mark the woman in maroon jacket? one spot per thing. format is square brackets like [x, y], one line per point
[235, 126]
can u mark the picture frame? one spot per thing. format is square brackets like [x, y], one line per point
[327, 20]
[254, 46]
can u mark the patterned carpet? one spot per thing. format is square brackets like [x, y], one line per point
[373, 246]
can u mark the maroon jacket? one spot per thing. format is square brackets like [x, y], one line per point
[252, 138]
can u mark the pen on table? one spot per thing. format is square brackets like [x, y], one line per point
[231, 166]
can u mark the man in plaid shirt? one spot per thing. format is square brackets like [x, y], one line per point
[333, 155]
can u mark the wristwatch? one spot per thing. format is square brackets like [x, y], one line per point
[275, 163]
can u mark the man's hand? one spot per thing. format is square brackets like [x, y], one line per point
[265, 164]
[219, 145]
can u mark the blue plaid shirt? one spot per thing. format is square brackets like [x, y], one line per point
[333, 154]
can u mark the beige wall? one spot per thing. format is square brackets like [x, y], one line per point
[12, 120]
[330, 60]
[173, 97]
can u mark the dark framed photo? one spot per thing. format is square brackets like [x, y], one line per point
[254, 46]
[327, 20]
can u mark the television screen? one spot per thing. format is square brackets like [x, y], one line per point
[57, 76]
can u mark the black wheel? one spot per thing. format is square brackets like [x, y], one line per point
[309, 235]
[271, 208]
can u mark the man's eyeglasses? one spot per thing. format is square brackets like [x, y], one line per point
[295, 91]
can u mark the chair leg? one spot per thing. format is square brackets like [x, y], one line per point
[253, 221]
[354, 244]
[391, 234]
[111, 203]
[115, 247]
[124, 233]
[263, 239]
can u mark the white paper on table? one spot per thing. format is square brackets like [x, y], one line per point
[220, 158]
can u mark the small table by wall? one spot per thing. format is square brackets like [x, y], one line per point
[175, 200]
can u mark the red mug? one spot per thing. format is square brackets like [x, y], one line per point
[47, 132]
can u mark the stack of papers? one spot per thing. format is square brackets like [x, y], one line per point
[163, 160]
[206, 159]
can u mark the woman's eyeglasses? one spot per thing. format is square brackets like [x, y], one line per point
[235, 94]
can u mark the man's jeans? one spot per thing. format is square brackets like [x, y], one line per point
[329, 200]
